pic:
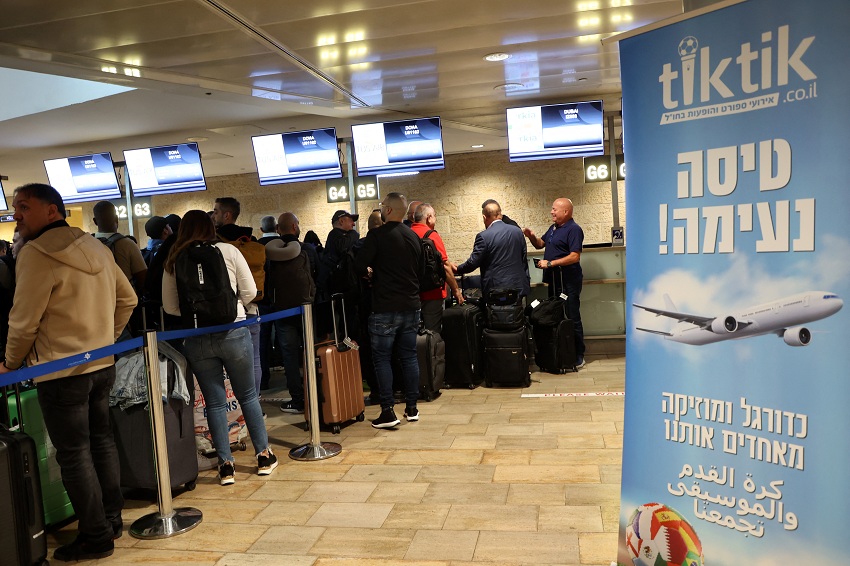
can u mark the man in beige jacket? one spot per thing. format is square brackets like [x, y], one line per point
[71, 298]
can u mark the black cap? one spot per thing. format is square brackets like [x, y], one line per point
[340, 213]
[173, 221]
[155, 226]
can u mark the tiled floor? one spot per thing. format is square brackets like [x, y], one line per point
[486, 477]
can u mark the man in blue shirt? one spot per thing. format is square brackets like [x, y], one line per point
[563, 242]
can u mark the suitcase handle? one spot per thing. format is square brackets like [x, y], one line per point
[346, 343]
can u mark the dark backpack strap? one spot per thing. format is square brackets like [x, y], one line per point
[110, 241]
[428, 233]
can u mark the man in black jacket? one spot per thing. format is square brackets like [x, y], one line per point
[390, 258]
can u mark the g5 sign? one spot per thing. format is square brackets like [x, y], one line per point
[598, 168]
[365, 188]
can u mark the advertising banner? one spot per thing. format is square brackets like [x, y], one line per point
[736, 421]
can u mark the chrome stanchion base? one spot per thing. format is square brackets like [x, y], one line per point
[154, 525]
[309, 452]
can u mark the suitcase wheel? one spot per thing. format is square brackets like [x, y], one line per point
[240, 445]
[190, 486]
[336, 429]
[471, 386]
[361, 417]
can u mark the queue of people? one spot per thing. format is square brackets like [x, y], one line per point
[74, 280]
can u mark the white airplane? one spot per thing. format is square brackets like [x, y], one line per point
[783, 317]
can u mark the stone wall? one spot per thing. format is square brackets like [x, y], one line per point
[524, 190]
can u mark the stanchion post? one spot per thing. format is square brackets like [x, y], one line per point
[316, 449]
[167, 521]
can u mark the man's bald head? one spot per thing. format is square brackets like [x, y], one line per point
[562, 210]
[287, 223]
[394, 207]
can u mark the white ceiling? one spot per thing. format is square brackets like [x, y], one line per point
[227, 71]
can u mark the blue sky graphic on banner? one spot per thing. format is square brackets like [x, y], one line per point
[736, 413]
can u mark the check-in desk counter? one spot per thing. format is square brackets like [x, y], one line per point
[603, 294]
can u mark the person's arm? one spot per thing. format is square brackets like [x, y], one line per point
[535, 240]
[32, 294]
[574, 257]
[366, 256]
[246, 287]
[475, 258]
[453, 286]
[125, 300]
[170, 298]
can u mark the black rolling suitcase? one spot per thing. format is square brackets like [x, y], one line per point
[507, 358]
[462, 328]
[132, 430]
[22, 539]
[431, 355]
[555, 347]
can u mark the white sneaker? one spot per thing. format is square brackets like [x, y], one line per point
[580, 363]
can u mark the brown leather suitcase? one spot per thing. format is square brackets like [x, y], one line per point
[340, 382]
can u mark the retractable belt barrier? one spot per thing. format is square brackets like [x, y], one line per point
[169, 521]
[32, 372]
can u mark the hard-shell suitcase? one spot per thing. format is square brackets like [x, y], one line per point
[132, 429]
[507, 358]
[555, 347]
[340, 380]
[462, 327]
[57, 506]
[22, 539]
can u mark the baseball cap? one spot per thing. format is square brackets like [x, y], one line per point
[340, 213]
[155, 226]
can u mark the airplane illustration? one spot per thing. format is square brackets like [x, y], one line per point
[784, 317]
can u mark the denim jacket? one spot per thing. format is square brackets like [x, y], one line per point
[131, 387]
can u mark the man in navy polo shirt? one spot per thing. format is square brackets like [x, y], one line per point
[563, 242]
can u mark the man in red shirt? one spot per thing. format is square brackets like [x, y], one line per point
[424, 219]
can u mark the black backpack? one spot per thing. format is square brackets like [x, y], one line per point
[203, 287]
[290, 282]
[432, 274]
[343, 278]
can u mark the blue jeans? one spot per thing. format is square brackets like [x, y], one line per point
[290, 339]
[76, 414]
[208, 355]
[254, 329]
[399, 328]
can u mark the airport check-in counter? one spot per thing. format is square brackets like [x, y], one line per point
[603, 294]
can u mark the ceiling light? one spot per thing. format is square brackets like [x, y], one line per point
[477, 146]
[498, 56]
[508, 86]
[197, 139]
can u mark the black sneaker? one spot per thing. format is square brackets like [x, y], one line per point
[225, 474]
[386, 420]
[83, 550]
[292, 407]
[411, 414]
[266, 464]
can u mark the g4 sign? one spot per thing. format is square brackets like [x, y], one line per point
[597, 168]
[365, 188]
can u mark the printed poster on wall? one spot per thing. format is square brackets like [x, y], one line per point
[736, 419]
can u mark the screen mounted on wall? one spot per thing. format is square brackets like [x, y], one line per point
[573, 129]
[297, 156]
[3, 202]
[84, 177]
[165, 169]
[398, 147]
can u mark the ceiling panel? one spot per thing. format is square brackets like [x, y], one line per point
[273, 65]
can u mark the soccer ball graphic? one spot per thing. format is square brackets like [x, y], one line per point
[658, 535]
[688, 46]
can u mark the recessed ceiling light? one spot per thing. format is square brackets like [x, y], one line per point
[498, 56]
[197, 139]
[478, 146]
[508, 86]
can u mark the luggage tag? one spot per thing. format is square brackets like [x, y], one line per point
[534, 303]
[563, 296]
[350, 343]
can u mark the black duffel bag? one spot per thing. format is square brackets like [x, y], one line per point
[504, 317]
[549, 312]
